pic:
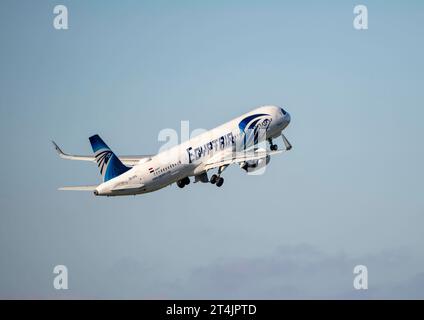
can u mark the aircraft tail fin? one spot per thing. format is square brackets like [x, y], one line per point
[109, 164]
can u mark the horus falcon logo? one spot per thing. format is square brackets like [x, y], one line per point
[102, 159]
[251, 121]
[250, 126]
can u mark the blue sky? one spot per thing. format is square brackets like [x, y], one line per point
[350, 191]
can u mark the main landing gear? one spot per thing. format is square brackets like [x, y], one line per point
[183, 182]
[216, 178]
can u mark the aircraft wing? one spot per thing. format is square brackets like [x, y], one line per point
[130, 161]
[238, 157]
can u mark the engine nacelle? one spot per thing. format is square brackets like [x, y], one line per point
[254, 165]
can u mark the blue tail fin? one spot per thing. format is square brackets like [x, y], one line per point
[109, 164]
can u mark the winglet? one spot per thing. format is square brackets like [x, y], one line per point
[58, 150]
[64, 155]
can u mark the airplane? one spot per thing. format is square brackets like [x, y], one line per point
[235, 142]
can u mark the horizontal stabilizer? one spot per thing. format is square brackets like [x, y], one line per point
[79, 188]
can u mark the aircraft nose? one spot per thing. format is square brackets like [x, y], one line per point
[287, 117]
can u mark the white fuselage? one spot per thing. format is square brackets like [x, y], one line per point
[189, 158]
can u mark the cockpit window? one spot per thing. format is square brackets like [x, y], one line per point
[283, 111]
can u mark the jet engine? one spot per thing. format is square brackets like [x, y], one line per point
[254, 165]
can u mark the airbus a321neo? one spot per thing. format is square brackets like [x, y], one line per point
[234, 142]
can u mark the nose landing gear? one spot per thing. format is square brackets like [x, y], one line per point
[272, 146]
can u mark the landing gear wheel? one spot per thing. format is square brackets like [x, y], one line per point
[220, 182]
[186, 181]
[213, 179]
[180, 183]
[272, 146]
